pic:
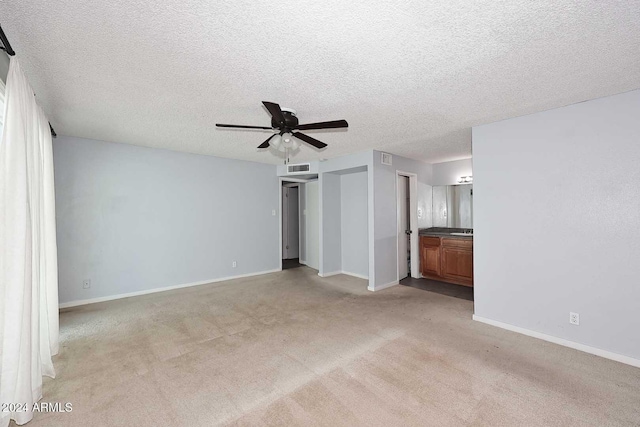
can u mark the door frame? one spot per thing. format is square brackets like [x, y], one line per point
[413, 223]
[280, 181]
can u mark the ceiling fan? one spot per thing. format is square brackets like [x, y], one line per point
[285, 125]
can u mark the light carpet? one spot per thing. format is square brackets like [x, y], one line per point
[291, 348]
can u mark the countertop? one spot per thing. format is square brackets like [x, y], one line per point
[443, 232]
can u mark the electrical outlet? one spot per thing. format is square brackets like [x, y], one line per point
[273, 212]
[234, 264]
[574, 318]
[86, 284]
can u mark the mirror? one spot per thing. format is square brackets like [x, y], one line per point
[453, 206]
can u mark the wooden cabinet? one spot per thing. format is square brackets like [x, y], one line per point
[430, 255]
[457, 261]
[447, 259]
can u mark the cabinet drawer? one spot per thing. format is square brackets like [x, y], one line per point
[457, 243]
[430, 241]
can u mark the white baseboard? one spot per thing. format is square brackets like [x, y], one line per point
[334, 273]
[561, 341]
[153, 291]
[359, 276]
[385, 286]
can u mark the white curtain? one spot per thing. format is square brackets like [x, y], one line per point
[28, 256]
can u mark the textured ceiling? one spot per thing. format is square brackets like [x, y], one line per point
[411, 77]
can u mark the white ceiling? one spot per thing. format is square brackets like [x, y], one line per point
[411, 77]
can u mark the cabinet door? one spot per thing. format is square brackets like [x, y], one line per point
[457, 264]
[430, 260]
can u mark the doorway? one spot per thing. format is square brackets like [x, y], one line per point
[404, 230]
[407, 220]
[290, 225]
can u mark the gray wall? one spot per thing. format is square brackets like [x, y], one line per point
[133, 219]
[447, 173]
[312, 225]
[302, 222]
[355, 238]
[4, 66]
[385, 206]
[331, 224]
[557, 222]
[329, 188]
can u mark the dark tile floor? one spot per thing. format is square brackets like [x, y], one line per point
[456, 291]
[290, 263]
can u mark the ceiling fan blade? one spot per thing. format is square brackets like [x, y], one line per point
[220, 125]
[325, 125]
[266, 143]
[309, 140]
[275, 111]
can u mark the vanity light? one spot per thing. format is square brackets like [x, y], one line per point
[465, 179]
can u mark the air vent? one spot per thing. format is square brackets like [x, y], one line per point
[386, 158]
[299, 168]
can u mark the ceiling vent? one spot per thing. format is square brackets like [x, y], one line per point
[299, 168]
[386, 158]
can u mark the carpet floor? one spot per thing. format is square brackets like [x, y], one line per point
[291, 348]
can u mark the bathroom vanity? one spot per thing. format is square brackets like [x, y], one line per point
[446, 257]
[446, 249]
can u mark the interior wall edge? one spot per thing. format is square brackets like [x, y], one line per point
[359, 276]
[381, 287]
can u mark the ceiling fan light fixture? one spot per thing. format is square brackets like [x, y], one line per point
[287, 140]
[276, 141]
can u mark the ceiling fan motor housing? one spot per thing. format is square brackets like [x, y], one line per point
[290, 120]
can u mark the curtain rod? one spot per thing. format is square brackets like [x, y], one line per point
[6, 46]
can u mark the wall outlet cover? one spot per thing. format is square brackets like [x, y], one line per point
[574, 318]
[86, 284]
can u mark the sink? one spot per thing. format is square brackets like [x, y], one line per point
[462, 234]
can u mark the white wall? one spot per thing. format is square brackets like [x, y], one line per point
[557, 222]
[385, 218]
[133, 218]
[312, 225]
[447, 173]
[354, 227]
